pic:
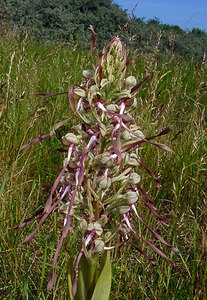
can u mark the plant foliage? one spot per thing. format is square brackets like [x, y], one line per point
[67, 20]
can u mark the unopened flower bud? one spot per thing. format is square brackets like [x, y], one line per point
[130, 82]
[140, 134]
[116, 56]
[88, 74]
[105, 158]
[83, 225]
[80, 92]
[93, 89]
[131, 197]
[134, 178]
[99, 245]
[126, 135]
[69, 139]
[124, 209]
[133, 160]
[104, 183]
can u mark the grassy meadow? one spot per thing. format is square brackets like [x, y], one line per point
[175, 95]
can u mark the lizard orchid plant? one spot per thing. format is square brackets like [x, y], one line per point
[99, 185]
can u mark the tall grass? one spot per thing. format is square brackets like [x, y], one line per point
[175, 95]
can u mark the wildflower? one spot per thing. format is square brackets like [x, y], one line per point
[96, 227]
[131, 197]
[104, 183]
[99, 245]
[83, 225]
[134, 178]
[124, 209]
[88, 74]
[97, 186]
[130, 82]
[69, 139]
[80, 92]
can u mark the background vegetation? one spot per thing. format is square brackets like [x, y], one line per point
[174, 95]
[68, 21]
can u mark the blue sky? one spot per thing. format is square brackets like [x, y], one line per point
[185, 13]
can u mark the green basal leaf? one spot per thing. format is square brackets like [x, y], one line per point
[87, 277]
[103, 285]
[81, 291]
[70, 275]
[82, 280]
